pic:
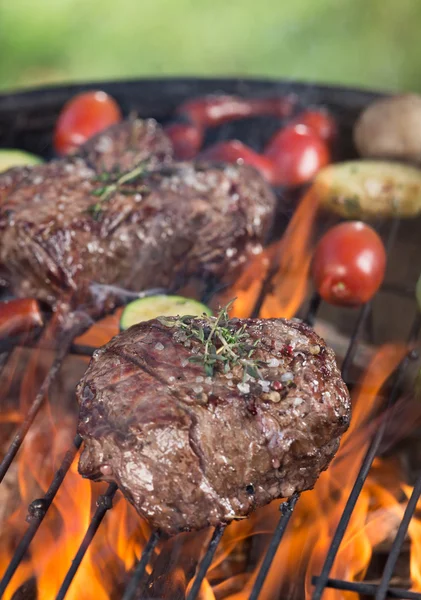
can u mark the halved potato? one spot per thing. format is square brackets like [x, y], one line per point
[369, 188]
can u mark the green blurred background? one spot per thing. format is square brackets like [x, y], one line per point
[371, 43]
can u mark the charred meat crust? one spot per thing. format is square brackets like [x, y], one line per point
[91, 219]
[189, 450]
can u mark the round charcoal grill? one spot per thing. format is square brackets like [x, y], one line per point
[26, 122]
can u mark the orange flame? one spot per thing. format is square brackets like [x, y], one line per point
[118, 543]
[120, 539]
[289, 285]
[101, 332]
[304, 546]
[106, 566]
[290, 257]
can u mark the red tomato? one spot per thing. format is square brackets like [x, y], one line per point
[297, 154]
[319, 122]
[18, 316]
[186, 139]
[349, 264]
[235, 151]
[82, 117]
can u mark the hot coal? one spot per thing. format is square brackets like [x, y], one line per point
[190, 448]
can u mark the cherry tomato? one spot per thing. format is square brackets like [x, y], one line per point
[349, 264]
[235, 151]
[186, 139]
[18, 316]
[320, 122]
[297, 155]
[82, 117]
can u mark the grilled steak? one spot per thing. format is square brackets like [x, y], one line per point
[120, 148]
[191, 447]
[69, 223]
[127, 144]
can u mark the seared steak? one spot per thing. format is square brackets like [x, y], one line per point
[193, 440]
[119, 148]
[127, 144]
[70, 223]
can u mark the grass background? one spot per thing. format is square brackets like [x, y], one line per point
[371, 43]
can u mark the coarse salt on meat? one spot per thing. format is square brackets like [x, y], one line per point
[214, 447]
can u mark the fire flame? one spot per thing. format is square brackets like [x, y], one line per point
[287, 260]
[120, 539]
[374, 520]
[107, 565]
[289, 285]
[117, 545]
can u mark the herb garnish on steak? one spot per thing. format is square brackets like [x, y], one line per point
[123, 215]
[221, 342]
[202, 420]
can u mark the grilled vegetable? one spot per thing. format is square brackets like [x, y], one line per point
[319, 121]
[297, 154]
[16, 158]
[349, 264]
[391, 128]
[186, 139]
[233, 151]
[17, 316]
[363, 188]
[82, 117]
[145, 309]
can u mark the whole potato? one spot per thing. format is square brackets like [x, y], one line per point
[391, 128]
[359, 189]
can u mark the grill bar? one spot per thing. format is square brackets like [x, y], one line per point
[10, 344]
[368, 589]
[28, 340]
[366, 309]
[63, 350]
[286, 509]
[206, 561]
[104, 503]
[82, 350]
[39, 507]
[313, 308]
[382, 590]
[37, 511]
[353, 344]
[364, 470]
[349, 507]
[130, 591]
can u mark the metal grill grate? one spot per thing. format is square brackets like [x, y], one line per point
[39, 507]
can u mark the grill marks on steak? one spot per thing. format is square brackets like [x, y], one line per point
[189, 450]
[170, 222]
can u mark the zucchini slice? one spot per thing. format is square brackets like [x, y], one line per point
[161, 305]
[370, 188]
[15, 158]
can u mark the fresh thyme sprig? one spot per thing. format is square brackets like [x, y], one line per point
[105, 192]
[222, 343]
